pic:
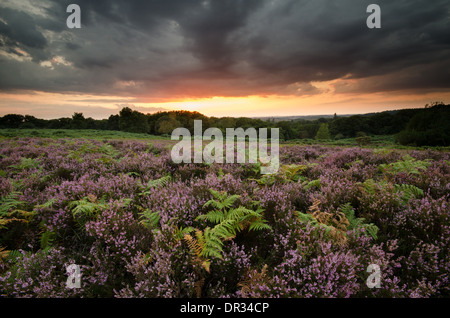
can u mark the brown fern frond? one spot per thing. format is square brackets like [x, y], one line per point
[336, 223]
[253, 278]
[3, 254]
[340, 221]
[322, 217]
[193, 244]
[6, 221]
[315, 206]
[92, 198]
[198, 286]
[196, 246]
[338, 236]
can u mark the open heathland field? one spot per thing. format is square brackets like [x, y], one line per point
[139, 225]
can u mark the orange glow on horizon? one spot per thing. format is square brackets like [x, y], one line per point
[321, 104]
[326, 102]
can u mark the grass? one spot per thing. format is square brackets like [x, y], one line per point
[382, 141]
[377, 142]
[77, 133]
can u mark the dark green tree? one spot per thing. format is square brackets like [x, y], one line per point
[429, 127]
[78, 121]
[11, 121]
[323, 133]
[133, 121]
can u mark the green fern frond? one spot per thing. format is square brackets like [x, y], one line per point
[228, 222]
[157, 183]
[348, 211]
[161, 182]
[212, 243]
[215, 204]
[14, 254]
[47, 239]
[369, 186]
[409, 191]
[237, 214]
[226, 229]
[179, 233]
[10, 203]
[292, 172]
[11, 255]
[306, 218]
[310, 184]
[88, 207]
[229, 200]
[372, 230]
[11, 209]
[221, 200]
[48, 204]
[259, 225]
[149, 219]
[214, 216]
[82, 207]
[358, 223]
[25, 164]
[407, 165]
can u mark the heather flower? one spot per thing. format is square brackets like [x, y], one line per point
[121, 254]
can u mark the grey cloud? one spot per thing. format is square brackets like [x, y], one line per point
[20, 28]
[316, 48]
[199, 48]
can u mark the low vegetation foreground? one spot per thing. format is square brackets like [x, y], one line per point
[138, 225]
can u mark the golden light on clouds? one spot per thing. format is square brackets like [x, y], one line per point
[56, 105]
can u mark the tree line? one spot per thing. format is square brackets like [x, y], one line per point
[424, 126]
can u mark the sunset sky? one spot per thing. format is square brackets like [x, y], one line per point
[222, 57]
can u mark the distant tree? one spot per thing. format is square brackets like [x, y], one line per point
[381, 124]
[91, 123]
[323, 133]
[126, 119]
[302, 134]
[34, 122]
[434, 104]
[286, 130]
[78, 121]
[311, 129]
[133, 121]
[429, 127]
[225, 122]
[11, 121]
[113, 122]
[167, 124]
[101, 124]
[60, 123]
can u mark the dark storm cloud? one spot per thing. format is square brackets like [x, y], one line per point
[200, 48]
[332, 40]
[20, 27]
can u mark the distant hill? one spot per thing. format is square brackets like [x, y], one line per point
[276, 119]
